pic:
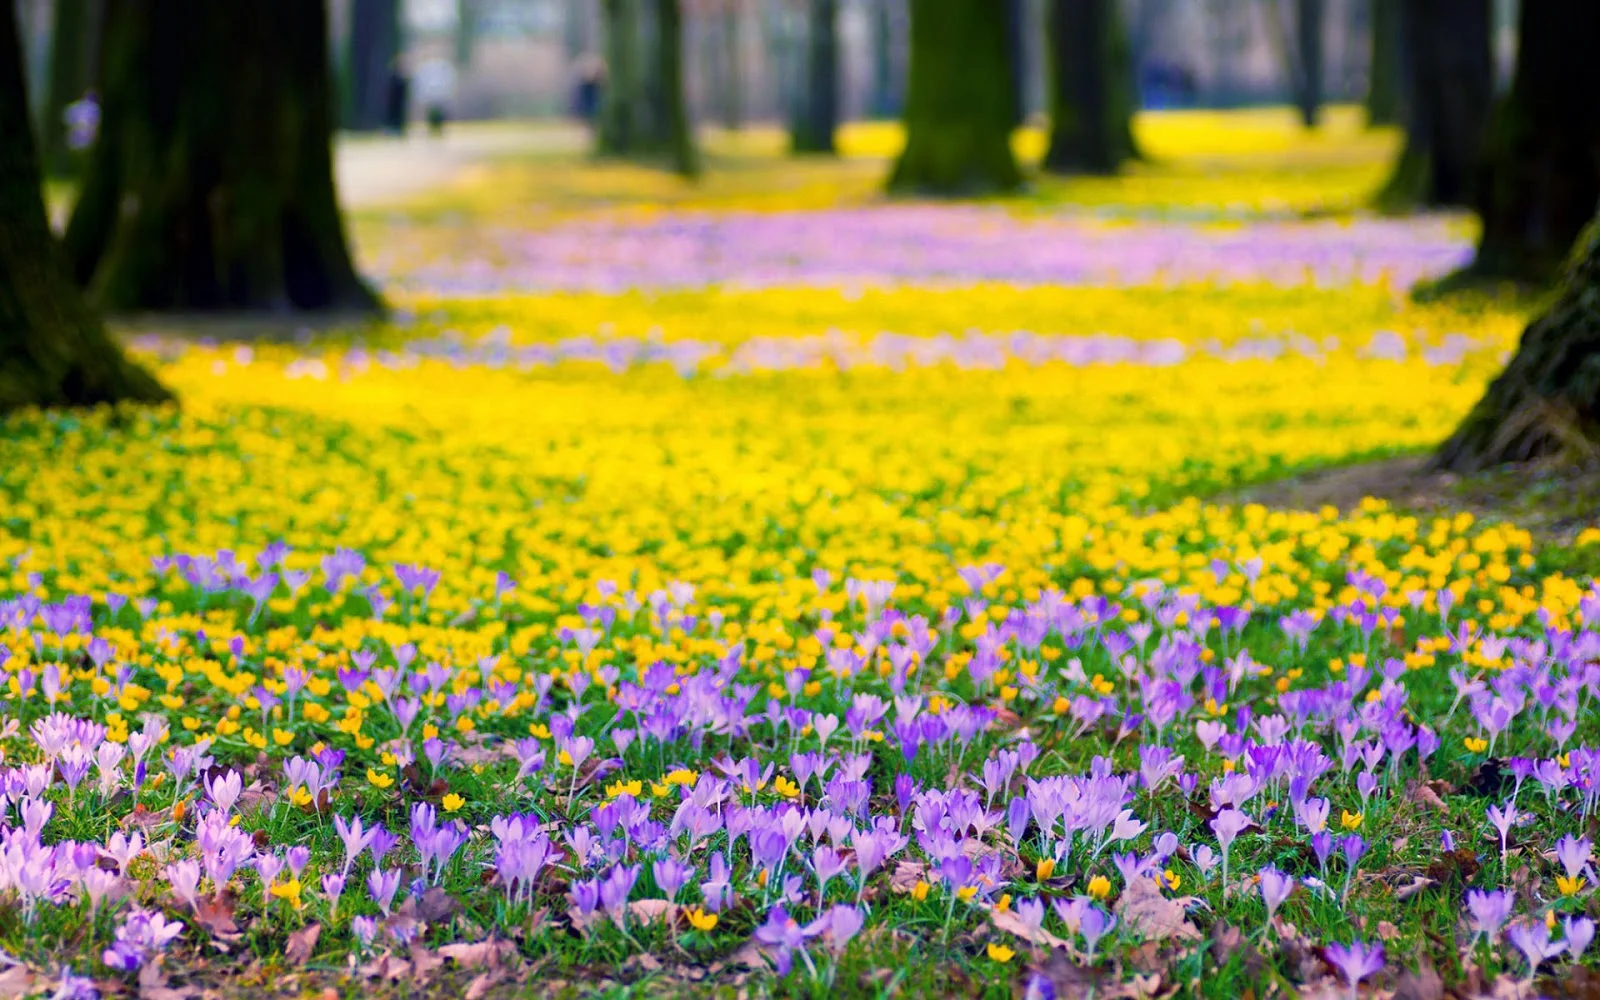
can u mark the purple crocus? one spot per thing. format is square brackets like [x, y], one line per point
[1355, 961]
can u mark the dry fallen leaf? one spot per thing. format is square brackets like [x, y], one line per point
[215, 917]
[423, 961]
[1423, 984]
[1424, 795]
[906, 875]
[479, 954]
[1416, 885]
[1009, 922]
[302, 943]
[649, 911]
[1143, 909]
[17, 981]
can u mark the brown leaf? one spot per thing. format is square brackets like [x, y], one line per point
[437, 905]
[649, 911]
[482, 983]
[1142, 908]
[1387, 930]
[1423, 984]
[1416, 885]
[479, 954]
[1423, 795]
[214, 914]
[1009, 922]
[423, 961]
[17, 981]
[906, 875]
[302, 943]
[1461, 863]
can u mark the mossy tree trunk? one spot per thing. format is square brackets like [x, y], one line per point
[74, 41]
[1017, 57]
[1449, 81]
[54, 351]
[622, 106]
[1091, 88]
[211, 187]
[370, 61]
[646, 116]
[959, 104]
[1547, 401]
[1386, 71]
[817, 116]
[1539, 178]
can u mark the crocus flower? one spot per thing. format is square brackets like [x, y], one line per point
[1355, 961]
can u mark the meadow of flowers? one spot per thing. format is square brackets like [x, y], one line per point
[834, 632]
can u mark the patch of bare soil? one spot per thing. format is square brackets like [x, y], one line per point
[1554, 501]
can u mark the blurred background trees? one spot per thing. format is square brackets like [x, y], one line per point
[196, 136]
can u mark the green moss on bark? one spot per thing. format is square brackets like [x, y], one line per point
[211, 187]
[1547, 401]
[54, 351]
[959, 105]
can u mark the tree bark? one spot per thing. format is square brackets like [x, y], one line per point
[211, 186]
[733, 65]
[1017, 58]
[1449, 79]
[642, 122]
[1386, 71]
[74, 41]
[370, 62]
[1091, 88]
[1308, 25]
[818, 115]
[466, 36]
[54, 351]
[1547, 401]
[883, 76]
[622, 104]
[1540, 175]
[959, 105]
[678, 135]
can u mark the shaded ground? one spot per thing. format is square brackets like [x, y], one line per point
[1555, 502]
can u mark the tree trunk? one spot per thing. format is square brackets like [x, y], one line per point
[212, 184]
[74, 42]
[732, 105]
[959, 102]
[1547, 401]
[678, 133]
[1449, 78]
[636, 121]
[883, 97]
[1540, 176]
[370, 63]
[819, 113]
[1308, 47]
[1091, 88]
[1386, 71]
[466, 36]
[622, 105]
[1017, 58]
[54, 351]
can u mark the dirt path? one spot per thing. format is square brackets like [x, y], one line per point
[374, 171]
